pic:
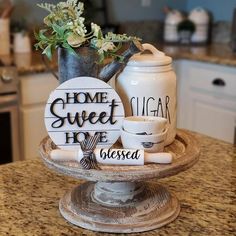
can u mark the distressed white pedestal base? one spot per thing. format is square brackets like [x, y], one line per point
[123, 207]
[120, 207]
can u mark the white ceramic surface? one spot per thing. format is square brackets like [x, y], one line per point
[147, 87]
[82, 107]
[173, 18]
[144, 124]
[149, 143]
[200, 17]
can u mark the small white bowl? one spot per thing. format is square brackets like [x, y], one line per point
[148, 143]
[146, 125]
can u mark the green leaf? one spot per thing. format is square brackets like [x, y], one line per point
[41, 35]
[59, 30]
[100, 34]
[70, 49]
[101, 58]
[48, 51]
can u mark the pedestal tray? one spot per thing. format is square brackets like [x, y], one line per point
[118, 199]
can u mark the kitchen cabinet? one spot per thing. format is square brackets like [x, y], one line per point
[34, 91]
[207, 99]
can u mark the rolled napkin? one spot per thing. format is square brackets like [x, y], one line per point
[132, 157]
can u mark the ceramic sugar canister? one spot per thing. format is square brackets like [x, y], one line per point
[147, 87]
[200, 18]
[173, 18]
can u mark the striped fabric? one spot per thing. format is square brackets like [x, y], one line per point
[89, 159]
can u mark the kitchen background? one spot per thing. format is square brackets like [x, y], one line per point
[141, 9]
[221, 13]
[206, 73]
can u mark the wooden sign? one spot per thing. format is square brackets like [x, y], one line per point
[82, 107]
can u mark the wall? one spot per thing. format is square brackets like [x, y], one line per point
[28, 10]
[119, 10]
[221, 9]
[132, 10]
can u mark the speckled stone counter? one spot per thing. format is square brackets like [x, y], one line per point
[216, 53]
[29, 196]
[28, 63]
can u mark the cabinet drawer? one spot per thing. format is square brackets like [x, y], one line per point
[212, 116]
[35, 88]
[32, 120]
[220, 80]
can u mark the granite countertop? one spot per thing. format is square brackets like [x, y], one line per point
[29, 196]
[216, 53]
[28, 63]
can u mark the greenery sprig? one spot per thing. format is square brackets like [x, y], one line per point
[65, 28]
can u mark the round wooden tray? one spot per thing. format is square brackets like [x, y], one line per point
[184, 147]
[118, 200]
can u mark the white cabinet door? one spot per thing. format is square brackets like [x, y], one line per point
[204, 105]
[32, 123]
[183, 94]
[35, 89]
[34, 92]
[212, 116]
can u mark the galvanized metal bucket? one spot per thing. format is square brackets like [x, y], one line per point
[71, 66]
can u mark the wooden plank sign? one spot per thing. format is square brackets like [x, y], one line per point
[82, 107]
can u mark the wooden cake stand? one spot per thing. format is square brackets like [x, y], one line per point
[117, 198]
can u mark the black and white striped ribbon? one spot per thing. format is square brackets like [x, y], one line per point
[89, 159]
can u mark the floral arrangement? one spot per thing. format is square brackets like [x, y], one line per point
[65, 28]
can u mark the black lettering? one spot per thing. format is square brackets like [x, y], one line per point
[131, 105]
[60, 119]
[103, 154]
[76, 119]
[119, 153]
[135, 155]
[102, 137]
[104, 97]
[113, 105]
[113, 154]
[93, 99]
[73, 98]
[167, 109]
[143, 110]
[69, 137]
[102, 116]
[91, 116]
[123, 155]
[76, 137]
[82, 98]
[159, 106]
[147, 106]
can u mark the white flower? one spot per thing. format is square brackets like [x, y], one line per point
[96, 30]
[106, 46]
[80, 8]
[65, 20]
[75, 40]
